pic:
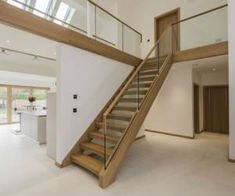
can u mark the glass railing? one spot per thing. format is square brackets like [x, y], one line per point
[120, 114]
[86, 17]
[204, 29]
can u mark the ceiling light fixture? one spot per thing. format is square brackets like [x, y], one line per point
[35, 58]
[213, 69]
[3, 51]
[8, 41]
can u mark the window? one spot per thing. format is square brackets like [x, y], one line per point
[14, 100]
[19, 102]
[15, 3]
[3, 105]
[41, 98]
[43, 6]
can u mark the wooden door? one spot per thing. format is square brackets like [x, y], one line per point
[196, 109]
[164, 21]
[216, 109]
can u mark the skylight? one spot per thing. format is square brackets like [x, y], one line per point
[62, 12]
[41, 5]
[12, 2]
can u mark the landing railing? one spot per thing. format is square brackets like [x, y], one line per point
[158, 55]
[88, 18]
[206, 28]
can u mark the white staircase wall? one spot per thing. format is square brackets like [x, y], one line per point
[172, 110]
[94, 79]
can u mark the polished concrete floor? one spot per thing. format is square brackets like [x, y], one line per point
[157, 165]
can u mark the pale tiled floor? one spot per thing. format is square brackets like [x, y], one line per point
[158, 165]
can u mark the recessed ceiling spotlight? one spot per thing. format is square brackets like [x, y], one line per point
[35, 58]
[213, 69]
[8, 41]
[3, 51]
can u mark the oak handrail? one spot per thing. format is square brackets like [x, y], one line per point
[201, 14]
[109, 109]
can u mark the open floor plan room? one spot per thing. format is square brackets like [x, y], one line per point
[117, 97]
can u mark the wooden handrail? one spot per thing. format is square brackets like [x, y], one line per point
[203, 13]
[133, 76]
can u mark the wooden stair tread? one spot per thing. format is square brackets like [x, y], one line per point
[125, 108]
[154, 70]
[93, 165]
[128, 100]
[117, 127]
[140, 89]
[96, 148]
[149, 73]
[135, 92]
[146, 78]
[123, 117]
[111, 138]
[141, 82]
[140, 85]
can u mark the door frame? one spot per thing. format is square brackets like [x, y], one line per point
[176, 10]
[204, 108]
[198, 116]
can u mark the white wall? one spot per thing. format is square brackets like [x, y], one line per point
[232, 78]
[95, 79]
[215, 78]
[51, 125]
[140, 14]
[13, 78]
[172, 111]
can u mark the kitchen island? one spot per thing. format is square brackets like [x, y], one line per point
[33, 125]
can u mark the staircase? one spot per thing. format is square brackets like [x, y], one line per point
[104, 146]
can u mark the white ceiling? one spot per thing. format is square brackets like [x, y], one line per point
[23, 41]
[213, 64]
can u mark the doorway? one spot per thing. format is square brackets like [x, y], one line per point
[196, 109]
[216, 109]
[162, 22]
